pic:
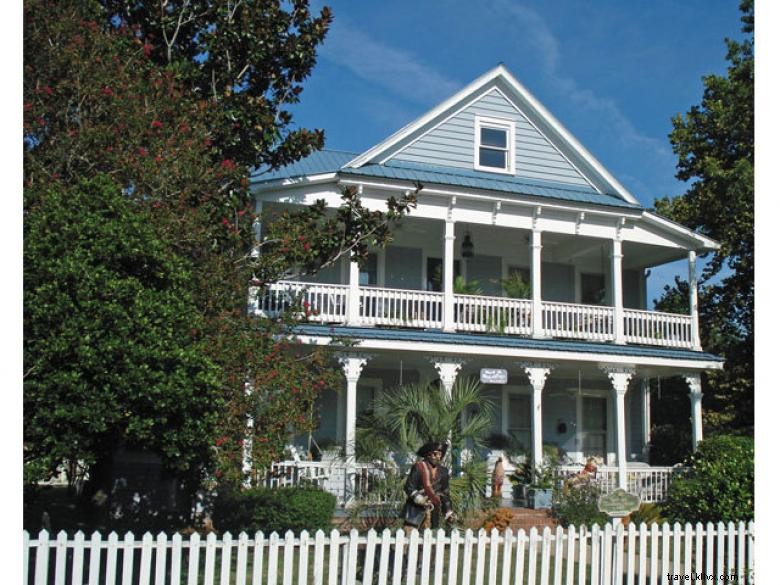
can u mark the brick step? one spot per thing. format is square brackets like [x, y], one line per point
[525, 519]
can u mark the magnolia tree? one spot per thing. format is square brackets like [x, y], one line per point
[142, 121]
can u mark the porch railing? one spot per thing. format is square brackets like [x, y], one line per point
[493, 314]
[327, 303]
[653, 328]
[402, 308]
[346, 481]
[577, 321]
[651, 484]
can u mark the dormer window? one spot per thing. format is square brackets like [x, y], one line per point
[494, 145]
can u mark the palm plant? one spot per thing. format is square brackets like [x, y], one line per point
[404, 419]
[461, 286]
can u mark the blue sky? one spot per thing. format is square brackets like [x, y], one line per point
[613, 72]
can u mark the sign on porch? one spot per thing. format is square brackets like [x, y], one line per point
[493, 376]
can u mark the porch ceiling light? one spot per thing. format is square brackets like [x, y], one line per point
[467, 248]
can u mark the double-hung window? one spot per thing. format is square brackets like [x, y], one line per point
[494, 145]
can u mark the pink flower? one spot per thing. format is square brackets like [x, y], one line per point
[142, 151]
[107, 91]
[157, 124]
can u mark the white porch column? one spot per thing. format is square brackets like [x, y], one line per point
[257, 228]
[353, 294]
[536, 282]
[697, 430]
[352, 364]
[447, 368]
[645, 418]
[693, 300]
[617, 289]
[448, 270]
[620, 377]
[537, 375]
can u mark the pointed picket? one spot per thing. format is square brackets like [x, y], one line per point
[617, 552]
[582, 555]
[533, 537]
[425, 571]
[333, 558]
[666, 541]
[368, 565]
[398, 557]
[631, 554]
[741, 552]
[720, 536]
[288, 556]
[571, 541]
[438, 565]
[319, 557]
[384, 557]
[468, 548]
[111, 553]
[481, 541]
[676, 545]
[242, 552]
[160, 559]
[545, 568]
[273, 557]
[258, 557]
[452, 574]
[26, 557]
[595, 553]
[62, 558]
[731, 559]
[688, 547]
[128, 550]
[147, 550]
[227, 558]
[351, 564]
[303, 559]
[493, 558]
[520, 540]
[506, 567]
[42, 559]
[750, 577]
[710, 563]
[699, 565]
[606, 554]
[193, 565]
[176, 546]
[411, 557]
[642, 568]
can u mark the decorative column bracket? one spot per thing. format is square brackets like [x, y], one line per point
[352, 364]
[537, 374]
[447, 368]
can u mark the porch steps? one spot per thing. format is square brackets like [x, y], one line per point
[526, 519]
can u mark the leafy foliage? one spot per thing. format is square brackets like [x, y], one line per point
[576, 503]
[719, 486]
[715, 149]
[113, 347]
[274, 510]
[174, 106]
[409, 416]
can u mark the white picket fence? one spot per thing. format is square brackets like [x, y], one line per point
[599, 555]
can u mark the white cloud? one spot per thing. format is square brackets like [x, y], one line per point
[400, 71]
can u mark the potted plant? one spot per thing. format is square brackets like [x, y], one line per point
[532, 486]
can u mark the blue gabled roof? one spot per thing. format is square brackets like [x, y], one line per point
[509, 341]
[332, 161]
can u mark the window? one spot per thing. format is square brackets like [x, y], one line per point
[494, 145]
[434, 273]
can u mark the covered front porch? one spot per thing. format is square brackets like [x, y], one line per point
[585, 405]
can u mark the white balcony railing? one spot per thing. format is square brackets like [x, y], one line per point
[493, 314]
[574, 321]
[400, 308]
[327, 303]
[321, 303]
[653, 328]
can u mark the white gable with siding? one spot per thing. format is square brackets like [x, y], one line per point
[451, 143]
[543, 149]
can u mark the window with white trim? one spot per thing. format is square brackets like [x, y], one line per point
[494, 145]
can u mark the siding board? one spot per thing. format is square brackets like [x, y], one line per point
[451, 144]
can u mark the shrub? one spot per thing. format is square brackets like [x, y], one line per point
[577, 504]
[274, 510]
[719, 485]
[647, 513]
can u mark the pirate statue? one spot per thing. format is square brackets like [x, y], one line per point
[428, 490]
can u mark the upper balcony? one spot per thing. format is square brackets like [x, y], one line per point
[571, 283]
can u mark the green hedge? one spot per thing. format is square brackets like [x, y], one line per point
[274, 510]
[719, 486]
[577, 503]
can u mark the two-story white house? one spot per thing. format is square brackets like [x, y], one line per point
[506, 190]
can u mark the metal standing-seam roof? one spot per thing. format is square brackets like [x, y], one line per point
[330, 161]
